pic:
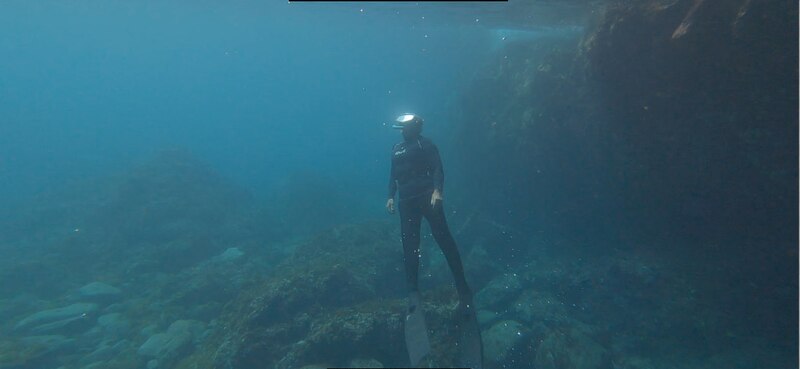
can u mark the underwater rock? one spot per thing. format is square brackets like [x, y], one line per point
[96, 365]
[113, 324]
[44, 349]
[498, 292]
[99, 292]
[193, 327]
[53, 318]
[149, 330]
[229, 254]
[534, 306]
[571, 348]
[174, 343]
[18, 305]
[501, 339]
[482, 266]
[205, 312]
[165, 344]
[337, 298]
[50, 342]
[353, 333]
[335, 269]
[114, 308]
[365, 363]
[66, 326]
[103, 352]
[486, 317]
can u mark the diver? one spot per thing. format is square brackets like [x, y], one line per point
[418, 176]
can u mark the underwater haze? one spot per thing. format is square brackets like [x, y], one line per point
[204, 184]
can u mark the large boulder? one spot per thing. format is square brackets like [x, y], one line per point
[501, 340]
[59, 318]
[34, 351]
[499, 291]
[177, 341]
[338, 298]
[571, 348]
[99, 292]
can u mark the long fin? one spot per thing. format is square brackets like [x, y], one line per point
[416, 335]
[470, 345]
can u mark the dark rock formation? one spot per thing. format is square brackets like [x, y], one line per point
[702, 96]
[339, 298]
[672, 123]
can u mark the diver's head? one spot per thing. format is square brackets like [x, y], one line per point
[410, 124]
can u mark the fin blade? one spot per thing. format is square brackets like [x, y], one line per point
[416, 333]
[470, 345]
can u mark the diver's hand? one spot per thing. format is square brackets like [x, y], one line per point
[390, 206]
[436, 197]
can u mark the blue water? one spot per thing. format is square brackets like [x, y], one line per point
[92, 87]
[620, 198]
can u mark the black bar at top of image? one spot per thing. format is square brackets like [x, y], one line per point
[402, 368]
[398, 1]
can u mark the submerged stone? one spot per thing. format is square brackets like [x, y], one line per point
[365, 363]
[102, 353]
[535, 306]
[165, 344]
[486, 317]
[96, 365]
[99, 290]
[571, 349]
[114, 324]
[175, 342]
[149, 330]
[49, 343]
[499, 291]
[501, 339]
[69, 325]
[54, 315]
[230, 254]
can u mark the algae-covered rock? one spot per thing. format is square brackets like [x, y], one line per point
[113, 324]
[48, 319]
[571, 348]
[96, 365]
[176, 342]
[33, 351]
[69, 325]
[166, 344]
[486, 317]
[99, 292]
[365, 363]
[48, 343]
[536, 306]
[501, 340]
[338, 298]
[229, 255]
[498, 292]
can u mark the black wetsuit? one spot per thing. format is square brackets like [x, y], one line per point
[416, 172]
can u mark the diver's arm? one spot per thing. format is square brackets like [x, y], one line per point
[392, 181]
[437, 172]
[392, 189]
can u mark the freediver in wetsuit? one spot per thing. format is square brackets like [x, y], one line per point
[418, 176]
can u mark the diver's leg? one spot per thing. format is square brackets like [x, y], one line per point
[441, 233]
[410, 220]
[416, 332]
[470, 345]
